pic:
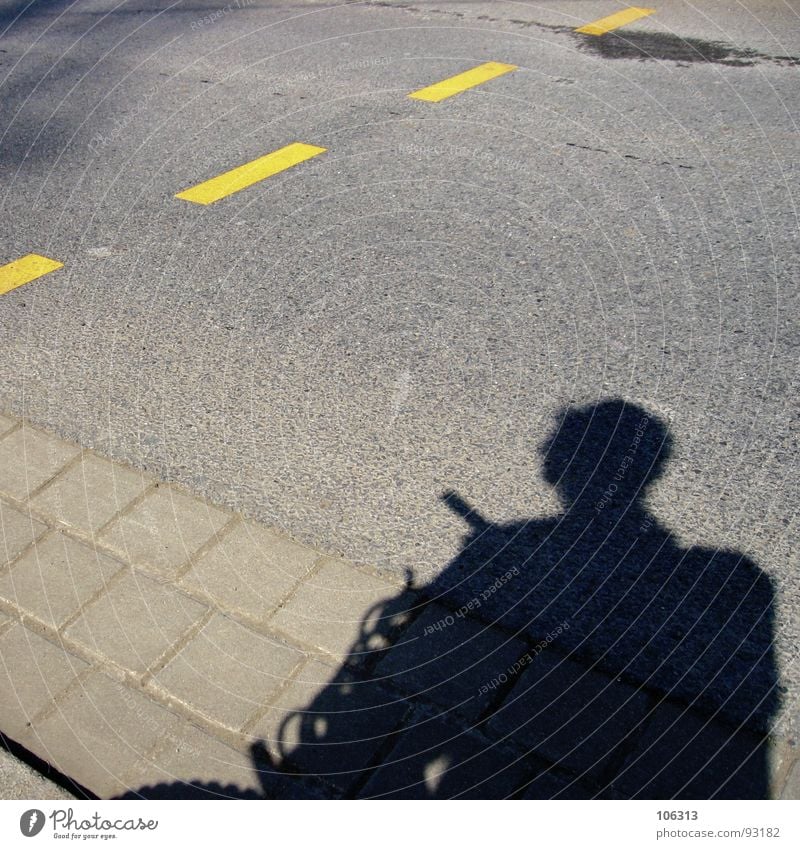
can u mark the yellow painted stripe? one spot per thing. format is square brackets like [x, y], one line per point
[618, 19]
[252, 172]
[461, 82]
[25, 269]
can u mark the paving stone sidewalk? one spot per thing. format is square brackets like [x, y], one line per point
[154, 644]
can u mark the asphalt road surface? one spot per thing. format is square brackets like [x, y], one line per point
[413, 310]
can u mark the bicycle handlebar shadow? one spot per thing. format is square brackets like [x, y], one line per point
[650, 670]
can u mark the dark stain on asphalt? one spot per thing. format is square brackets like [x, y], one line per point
[667, 47]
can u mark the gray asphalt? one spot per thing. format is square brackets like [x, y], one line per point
[20, 781]
[406, 314]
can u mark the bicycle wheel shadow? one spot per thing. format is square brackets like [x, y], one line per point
[579, 656]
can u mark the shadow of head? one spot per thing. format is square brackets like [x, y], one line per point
[605, 453]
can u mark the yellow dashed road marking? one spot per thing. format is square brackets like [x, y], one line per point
[461, 82]
[618, 19]
[23, 270]
[252, 172]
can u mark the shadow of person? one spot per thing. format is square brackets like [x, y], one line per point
[579, 656]
[607, 659]
[694, 623]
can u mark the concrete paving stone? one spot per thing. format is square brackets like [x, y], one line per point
[450, 664]
[783, 753]
[18, 530]
[327, 611]
[6, 423]
[568, 714]
[226, 672]
[681, 755]
[791, 790]
[296, 786]
[99, 732]
[20, 781]
[136, 621]
[552, 785]
[88, 494]
[28, 458]
[330, 724]
[437, 759]
[250, 570]
[164, 530]
[33, 671]
[191, 764]
[53, 579]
